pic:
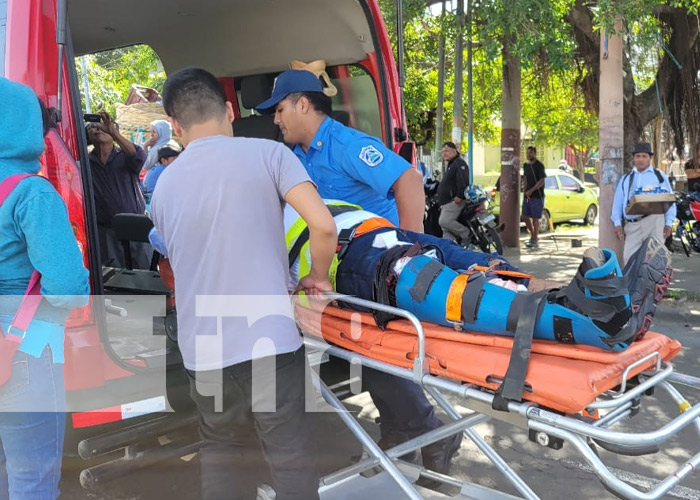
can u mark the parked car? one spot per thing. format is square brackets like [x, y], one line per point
[566, 199]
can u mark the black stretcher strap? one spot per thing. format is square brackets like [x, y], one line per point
[628, 332]
[304, 235]
[425, 279]
[514, 382]
[385, 279]
[471, 297]
[596, 309]
[516, 309]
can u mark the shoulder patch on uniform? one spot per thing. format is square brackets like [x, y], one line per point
[371, 156]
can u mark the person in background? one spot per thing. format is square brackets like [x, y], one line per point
[357, 168]
[533, 201]
[634, 229]
[115, 181]
[166, 155]
[564, 166]
[35, 234]
[692, 170]
[451, 194]
[161, 135]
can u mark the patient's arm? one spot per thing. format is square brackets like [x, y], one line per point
[537, 284]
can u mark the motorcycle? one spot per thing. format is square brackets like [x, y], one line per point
[475, 215]
[688, 214]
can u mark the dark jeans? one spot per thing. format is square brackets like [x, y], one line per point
[358, 268]
[402, 404]
[234, 432]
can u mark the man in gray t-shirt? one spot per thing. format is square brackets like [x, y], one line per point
[219, 208]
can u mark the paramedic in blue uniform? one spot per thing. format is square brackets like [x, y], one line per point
[349, 165]
[634, 229]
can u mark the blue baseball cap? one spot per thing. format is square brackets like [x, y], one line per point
[289, 82]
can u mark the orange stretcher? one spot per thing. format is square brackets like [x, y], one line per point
[562, 377]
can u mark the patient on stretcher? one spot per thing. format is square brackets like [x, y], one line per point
[443, 283]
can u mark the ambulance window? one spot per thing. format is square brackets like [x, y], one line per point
[357, 96]
[126, 82]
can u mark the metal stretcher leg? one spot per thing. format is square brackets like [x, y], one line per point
[683, 404]
[369, 444]
[527, 415]
[485, 448]
[617, 486]
[408, 446]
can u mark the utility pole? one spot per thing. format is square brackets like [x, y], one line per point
[611, 135]
[441, 88]
[470, 102]
[86, 86]
[510, 146]
[457, 118]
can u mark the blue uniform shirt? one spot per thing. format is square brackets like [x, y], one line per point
[149, 182]
[640, 179]
[349, 165]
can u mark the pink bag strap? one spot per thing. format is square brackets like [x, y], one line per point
[32, 297]
[9, 184]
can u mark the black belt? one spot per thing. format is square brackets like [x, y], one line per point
[638, 218]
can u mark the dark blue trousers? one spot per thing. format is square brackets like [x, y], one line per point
[402, 404]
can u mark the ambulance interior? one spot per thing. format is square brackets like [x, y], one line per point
[245, 43]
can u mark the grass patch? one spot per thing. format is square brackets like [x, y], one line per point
[676, 294]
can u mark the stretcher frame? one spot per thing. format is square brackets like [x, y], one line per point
[547, 425]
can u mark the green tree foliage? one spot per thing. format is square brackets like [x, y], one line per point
[557, 115]
[112, 73]
[661, 63]
[421, 39]
[542, 41]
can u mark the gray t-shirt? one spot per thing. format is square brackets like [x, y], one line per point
[219, 208]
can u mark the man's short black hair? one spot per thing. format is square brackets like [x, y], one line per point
[167, 152]
[193, 96]
[319, 101]
[532, 148]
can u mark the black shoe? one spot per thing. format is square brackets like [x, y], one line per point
[438, 456]
[391, 439]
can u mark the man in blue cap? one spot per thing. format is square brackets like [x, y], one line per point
[345, 164]
[357, 168]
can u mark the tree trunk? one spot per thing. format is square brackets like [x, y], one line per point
[510, 148]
